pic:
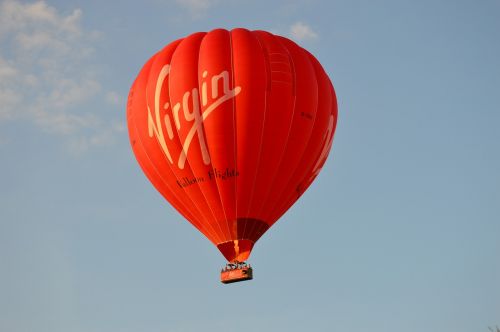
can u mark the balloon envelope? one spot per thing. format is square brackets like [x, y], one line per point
[232, 127]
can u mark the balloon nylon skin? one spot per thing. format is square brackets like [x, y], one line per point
[232, 127]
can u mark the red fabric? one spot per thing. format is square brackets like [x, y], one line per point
[231, 127]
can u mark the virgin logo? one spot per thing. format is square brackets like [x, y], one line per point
[194, 117]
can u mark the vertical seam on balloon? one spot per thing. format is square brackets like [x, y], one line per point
[210, 155]
[268, 87]
[197, 208]
[290, 58]
[188, 165]
[211, 163]
[153, 165]
[328, 141]
[335, 110]
[187, 155]
[282, 192]
[170, 166]
[134, 124]
[284, 203]
[288, 202]
[264, 54]
[235, 136]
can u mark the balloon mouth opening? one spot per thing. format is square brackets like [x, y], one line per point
[245, 233]
[236, 250]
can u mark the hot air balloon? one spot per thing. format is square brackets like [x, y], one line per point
[231, 127]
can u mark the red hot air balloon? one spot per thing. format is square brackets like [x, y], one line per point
[232, 127]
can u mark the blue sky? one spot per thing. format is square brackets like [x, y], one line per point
[400, 232]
